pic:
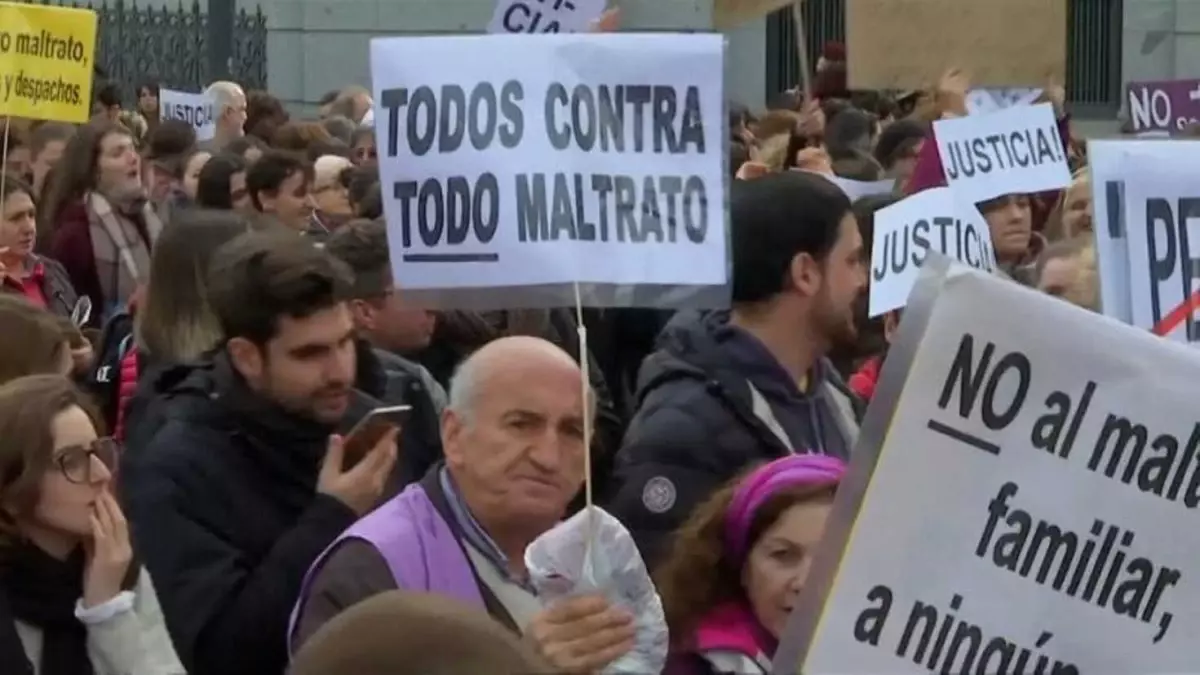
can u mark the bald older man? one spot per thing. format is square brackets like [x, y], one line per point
[513, 440]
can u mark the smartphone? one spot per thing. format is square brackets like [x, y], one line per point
[370, 429]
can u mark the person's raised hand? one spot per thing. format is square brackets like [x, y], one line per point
[82, 356]
[952, 90]
[812, 119]
[582, 634]
[1055, 95]
[608, 22]
[816, 160]
[108, 553]
[361, 486]
[751, 170]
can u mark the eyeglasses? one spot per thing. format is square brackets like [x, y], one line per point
[75, 461]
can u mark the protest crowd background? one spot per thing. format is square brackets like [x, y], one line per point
[241, 433]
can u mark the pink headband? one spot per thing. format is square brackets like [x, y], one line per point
[766, 481]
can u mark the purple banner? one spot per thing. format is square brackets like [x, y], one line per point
[1163, 106]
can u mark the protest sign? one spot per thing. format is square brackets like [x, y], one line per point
[857, 189]
[585, 158]
[1016, 150]
[901, 44]
[1162, 217]
[545, 16]
[46, 61]
[1168, 106]
[1030, 490]
[1111, 164]
[195, 109]
[905, 234]
[986, 101]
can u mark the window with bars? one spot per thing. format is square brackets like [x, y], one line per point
[1093, 50]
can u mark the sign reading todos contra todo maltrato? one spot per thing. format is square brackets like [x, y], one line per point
[552, 159]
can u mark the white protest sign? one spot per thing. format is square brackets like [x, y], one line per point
[521, 161]
[1162, 217]
[1022, 499]
[905, 233]
[195, 109]
[987, 101]
[1111, 163]
[1016, 150]
[545, 16]
[857, 189]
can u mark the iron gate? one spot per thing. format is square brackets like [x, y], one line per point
[1093, 50]
[171, 45]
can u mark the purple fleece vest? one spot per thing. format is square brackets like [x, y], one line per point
[418, 545]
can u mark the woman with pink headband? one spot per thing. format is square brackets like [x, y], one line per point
[737, 565]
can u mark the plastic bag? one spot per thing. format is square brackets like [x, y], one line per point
[561, 564]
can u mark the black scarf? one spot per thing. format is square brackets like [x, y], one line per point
[267, 428]
[40, 590]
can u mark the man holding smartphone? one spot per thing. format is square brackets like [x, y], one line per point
[389, 329]
[244, 482]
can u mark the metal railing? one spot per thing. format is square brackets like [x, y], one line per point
[1093, 50]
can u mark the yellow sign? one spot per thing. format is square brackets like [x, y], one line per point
[46, 62]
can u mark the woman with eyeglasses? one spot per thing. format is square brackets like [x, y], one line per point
[72, 599]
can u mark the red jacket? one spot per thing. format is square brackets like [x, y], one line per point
[127, 381]
[863, 381]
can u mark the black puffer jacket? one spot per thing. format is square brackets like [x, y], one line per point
[711, 402]
[219, 486]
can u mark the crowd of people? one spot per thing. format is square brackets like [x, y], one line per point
[176, 490]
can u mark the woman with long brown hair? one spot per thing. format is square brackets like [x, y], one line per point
[73, 601]
[95, 218]
[737, 565]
